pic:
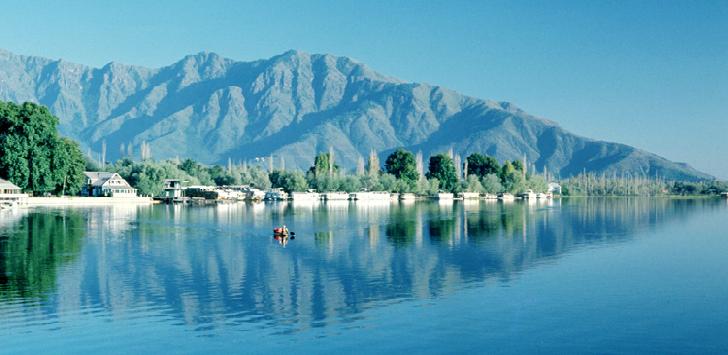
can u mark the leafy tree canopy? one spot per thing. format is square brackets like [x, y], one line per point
[442, 168]
[481, 165]
[33, 155]
[402, 164]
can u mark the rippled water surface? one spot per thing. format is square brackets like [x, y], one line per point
[589, 275]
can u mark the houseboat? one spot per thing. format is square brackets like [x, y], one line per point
[335, 196]
[407, 196]
[173, 191]
[370, 196]
[305, 196]
[444, 196]
[275, 195]
[469, 195]
[504, 196]
[528, 195]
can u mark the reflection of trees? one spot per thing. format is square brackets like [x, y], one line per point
[215, 266]
[32, 250]
[401, 229]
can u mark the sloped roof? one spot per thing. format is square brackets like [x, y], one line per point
[98, 179]
[7, 185]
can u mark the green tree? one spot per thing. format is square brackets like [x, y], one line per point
[537, 183]
[32, 154]
[442, 168]
[289, 181]
[492, 184]
[472, 184]
[67, 166]
[512, 178]
[403, 166]
[322, 166]
[481, 165]
[518, 165]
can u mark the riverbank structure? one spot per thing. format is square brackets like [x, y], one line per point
[103, 184]
[11, 194]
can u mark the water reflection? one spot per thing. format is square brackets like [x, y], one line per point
[32, 248]
[215, 267]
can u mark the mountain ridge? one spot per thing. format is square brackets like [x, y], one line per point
[294, 105]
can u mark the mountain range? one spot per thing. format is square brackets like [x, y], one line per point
[293, 106]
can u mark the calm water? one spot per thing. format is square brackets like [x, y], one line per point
[592, 275]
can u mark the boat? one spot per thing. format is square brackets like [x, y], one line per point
[370, 196]
[528, 195]
[275, 195]
[281, 231]
[443, 196]
[335, 196]
[542, 195]
[490, 196]
[305, 196]
[407, 196]
[469, 195]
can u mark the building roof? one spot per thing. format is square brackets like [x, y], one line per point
[7, 185]
[98, 179]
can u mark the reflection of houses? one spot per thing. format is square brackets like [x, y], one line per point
[102, 184]
[10, 194]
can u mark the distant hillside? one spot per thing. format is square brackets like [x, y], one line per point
[293, 106]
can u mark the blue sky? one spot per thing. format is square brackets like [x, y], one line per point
[653, 74]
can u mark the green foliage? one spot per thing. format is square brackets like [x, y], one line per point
[33, 155]
[491, 184]
[148, 176]
[518, 165]
[442, 168]
[289, 181]
[67, 161]
[537, 183]
[322, 166]
[473, 184]
[403, 166]
[512, 178]
[481, 165]
[590, 184]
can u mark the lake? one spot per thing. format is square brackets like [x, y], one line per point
[599, 275]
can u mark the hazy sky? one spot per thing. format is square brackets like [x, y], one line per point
[649, 74]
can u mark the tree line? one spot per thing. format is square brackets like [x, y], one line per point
[37, 159]
[591, 184]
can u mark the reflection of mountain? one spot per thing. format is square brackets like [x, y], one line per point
[218, 266]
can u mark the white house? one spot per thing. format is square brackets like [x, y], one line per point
[10, 194]
[101, 184]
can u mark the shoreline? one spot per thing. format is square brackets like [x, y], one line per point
[86, 201]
